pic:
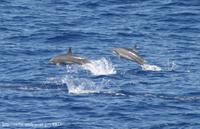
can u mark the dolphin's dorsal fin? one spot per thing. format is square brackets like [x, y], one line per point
[69, 51]
[135, 47]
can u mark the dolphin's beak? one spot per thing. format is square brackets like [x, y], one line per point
[51, 61]
[114, 51]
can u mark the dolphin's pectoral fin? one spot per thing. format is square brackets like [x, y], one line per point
[69, 51]
[121, 56]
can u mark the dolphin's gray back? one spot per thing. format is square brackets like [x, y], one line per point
[68, 59]
[130, 54]
[60, 59]
[135, 56]
[78, 60]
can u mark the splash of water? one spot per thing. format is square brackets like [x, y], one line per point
[148, 67]
[100, 67]
[82, 85]
[79, 85]
[171, 66]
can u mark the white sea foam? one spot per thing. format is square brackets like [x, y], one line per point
[100, 67]
[148, 67]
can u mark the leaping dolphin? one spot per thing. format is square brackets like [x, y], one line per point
[130, 54]
[68, 58]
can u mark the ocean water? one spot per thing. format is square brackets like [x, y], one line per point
[109, 92]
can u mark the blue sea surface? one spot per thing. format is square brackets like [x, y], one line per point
[110, 92]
